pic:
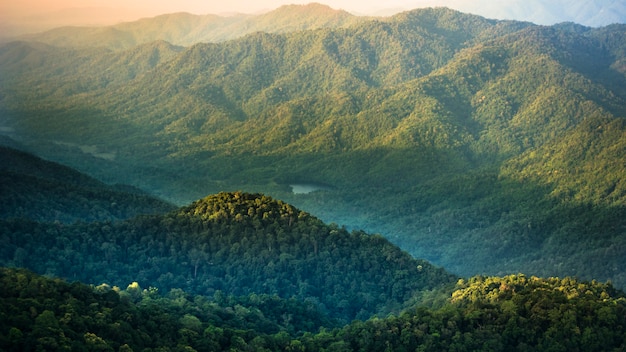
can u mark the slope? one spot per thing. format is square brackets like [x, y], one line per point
[237, 243]
[82, 70]
[40, 190]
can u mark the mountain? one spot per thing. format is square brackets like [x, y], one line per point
[237, 243]
[187, 29]
[40, 190]
[483, 146]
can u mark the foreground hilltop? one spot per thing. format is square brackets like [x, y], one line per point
[237, 243]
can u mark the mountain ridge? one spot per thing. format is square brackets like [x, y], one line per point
[187, 29]
[595, 14]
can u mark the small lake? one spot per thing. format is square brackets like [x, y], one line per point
[305, 188]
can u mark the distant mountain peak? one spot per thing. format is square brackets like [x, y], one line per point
[183, 28]
[310, 7]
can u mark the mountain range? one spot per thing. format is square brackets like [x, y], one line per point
[187, 29]
[483, 146]
[435, 145]
[593, 14]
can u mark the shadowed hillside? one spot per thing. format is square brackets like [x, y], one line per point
[237, 243]
[513, 313]
[40, 190]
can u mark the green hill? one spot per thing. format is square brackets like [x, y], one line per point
[236, 243]
[513, 313]
[51, 314]
[483, 146]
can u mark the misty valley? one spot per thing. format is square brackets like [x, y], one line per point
[312, 180]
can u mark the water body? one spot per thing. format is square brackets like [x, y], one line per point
[305, 188]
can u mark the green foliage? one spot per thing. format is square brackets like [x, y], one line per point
[237, 243]
[39, 313]
[512, 313]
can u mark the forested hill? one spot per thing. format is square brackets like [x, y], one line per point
[236, 243]
[35, 189]
[188, 29]
[483, 146]
[513, 313]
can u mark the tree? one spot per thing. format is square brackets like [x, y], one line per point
[48, 334]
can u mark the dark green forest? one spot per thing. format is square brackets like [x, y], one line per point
[512, 313]
[236, 243]
[244, 272]
[40, 190]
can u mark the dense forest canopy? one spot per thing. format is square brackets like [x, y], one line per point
[239, 271]
[513, 313]
[237, 243]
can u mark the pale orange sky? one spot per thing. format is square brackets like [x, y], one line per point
[21, 16]
[23, 8]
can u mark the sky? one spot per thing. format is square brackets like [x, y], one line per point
[19, 16]
[43, 14]
[25, 8]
